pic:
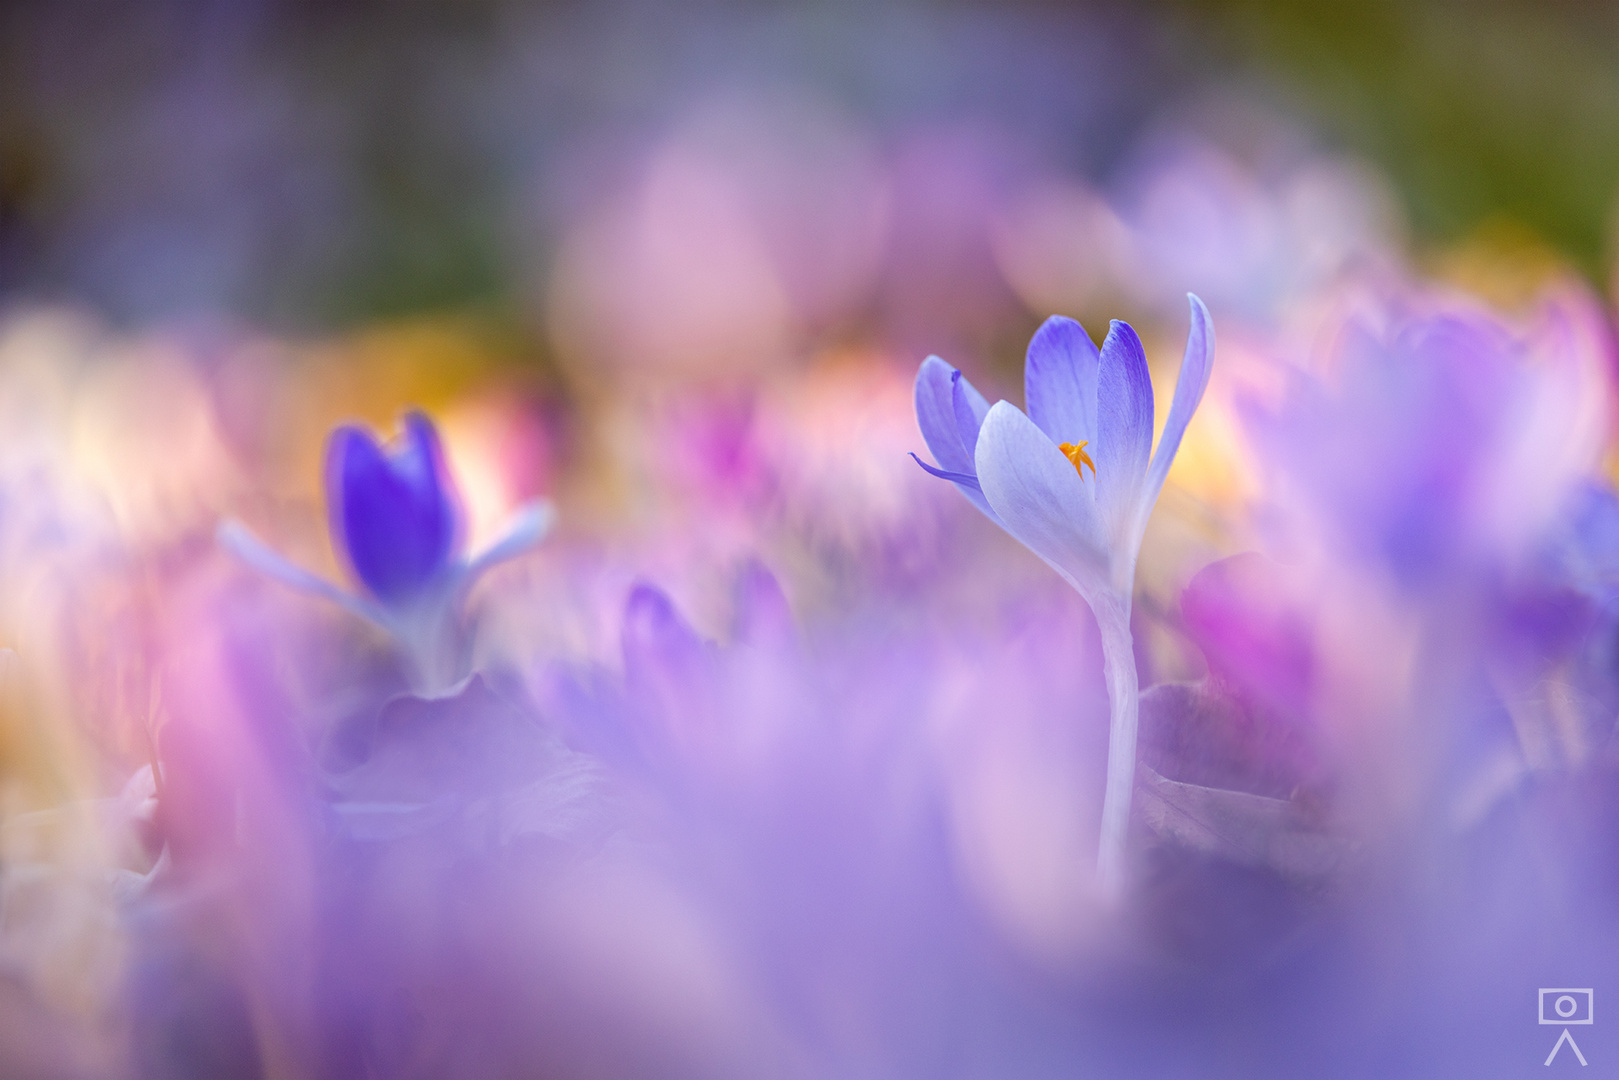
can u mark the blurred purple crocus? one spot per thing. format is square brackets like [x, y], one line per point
[1027, 472]
[392, 508]
[396, 519]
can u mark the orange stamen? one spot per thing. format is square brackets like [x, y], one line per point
[1079, 457]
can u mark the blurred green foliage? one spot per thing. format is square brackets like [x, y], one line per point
[325, 163]
[1477, 110]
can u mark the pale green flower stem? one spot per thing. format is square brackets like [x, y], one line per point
[429, 630]
[1124, 699]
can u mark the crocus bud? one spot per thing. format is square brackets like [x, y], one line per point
[393, 508]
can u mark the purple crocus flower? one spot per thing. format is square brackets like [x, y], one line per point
[1027, 472]
[396, 520]
[393, 508]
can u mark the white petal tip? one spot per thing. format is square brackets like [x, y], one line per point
[526, 529]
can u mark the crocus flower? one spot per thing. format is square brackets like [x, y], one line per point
[393, 510]
[396, 520]
[1088, 409]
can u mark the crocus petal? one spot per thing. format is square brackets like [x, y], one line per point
[966, 483]
[654, 635]
[1059, 381]
[939, 389]
[970, 408]
[526, 529]
[237, 539]
[1040, 499]
[1123, 428]
[393, 511]
[936, 416]
[669, 668]
[965, 479]
[763, 616]
[1196, 365]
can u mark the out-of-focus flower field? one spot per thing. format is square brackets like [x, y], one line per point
[492, 585]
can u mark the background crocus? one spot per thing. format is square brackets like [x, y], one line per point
[395, 516]
[1027, 472]
[393, 509]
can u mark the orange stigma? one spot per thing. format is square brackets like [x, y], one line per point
[1079, 457]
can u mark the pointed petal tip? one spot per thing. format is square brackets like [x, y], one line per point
[1059, 336]
[416, 428]
[762, 614]
[654, 633]
[945, 474]
[646, 600]
[1121, 335]
[1199, 342]
[1122, 328]
[1200, 310]
[535, 518]
[341, 442]
[1000, 414]
[1002, 407]
[524, 531]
